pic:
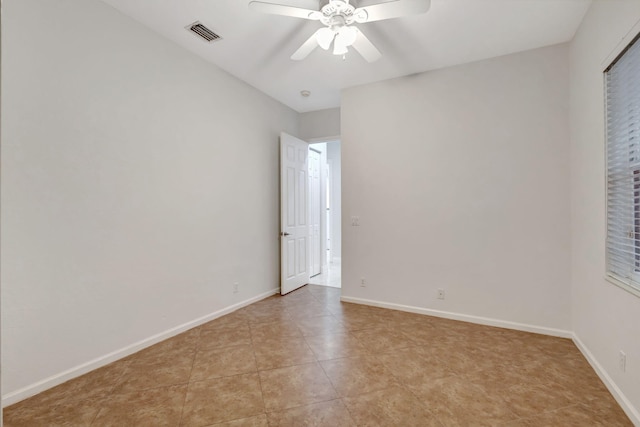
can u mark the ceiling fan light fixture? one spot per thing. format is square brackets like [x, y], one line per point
[346, 36]
[325, 36]
[339, 49]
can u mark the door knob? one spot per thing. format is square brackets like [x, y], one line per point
[284, 233]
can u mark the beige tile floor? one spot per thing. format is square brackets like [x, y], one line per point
[307, 359]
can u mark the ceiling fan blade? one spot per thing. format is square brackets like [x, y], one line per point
[307, 47]
[390, 10]
[280, 9]
[365, 48]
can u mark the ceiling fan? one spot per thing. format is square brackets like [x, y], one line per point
[338, 16]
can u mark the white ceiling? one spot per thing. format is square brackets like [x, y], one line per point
[256, 47]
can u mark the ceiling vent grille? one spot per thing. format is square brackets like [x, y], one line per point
[203, 32]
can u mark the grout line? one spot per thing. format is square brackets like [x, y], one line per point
[193, 362]
[255, 361]
[348, 410]
[211, 379]
[112, 389]
[138, 390]
[329, 379]
[95, 417]
[302, 406]
[287, 366]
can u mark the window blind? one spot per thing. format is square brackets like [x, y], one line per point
[622, 80]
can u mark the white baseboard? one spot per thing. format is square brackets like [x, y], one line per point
[54, 380]
[622, 400]
[464, 317]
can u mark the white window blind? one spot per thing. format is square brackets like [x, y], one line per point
[623, 167]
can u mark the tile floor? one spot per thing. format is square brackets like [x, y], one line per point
[307, 359]
[330, 277]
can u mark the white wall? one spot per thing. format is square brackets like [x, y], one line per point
[606, 319]
[460, 178]
[320, 124]
[138, 183]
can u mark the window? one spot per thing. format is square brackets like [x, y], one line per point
[622, 80]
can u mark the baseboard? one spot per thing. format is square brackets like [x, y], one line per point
[47, 383]
[622, 400]
[464, 317]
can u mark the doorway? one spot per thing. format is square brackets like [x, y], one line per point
[316, 158]
[325, 211]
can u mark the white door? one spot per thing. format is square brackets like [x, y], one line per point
[315, 207]
[294, 213]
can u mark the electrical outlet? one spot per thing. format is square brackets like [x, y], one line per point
[440, 293]
[363, 283]
[355, 221]
[623, 361]
[235, 287]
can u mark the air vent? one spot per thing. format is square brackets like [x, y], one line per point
[203, 32]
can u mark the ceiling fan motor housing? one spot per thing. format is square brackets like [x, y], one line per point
[339, 13]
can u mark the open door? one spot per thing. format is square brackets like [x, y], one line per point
[294, 213]
[315, 209]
